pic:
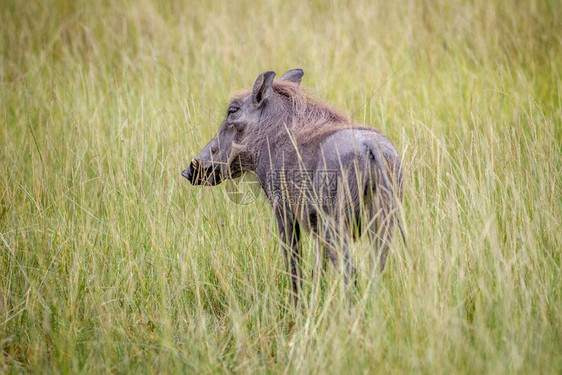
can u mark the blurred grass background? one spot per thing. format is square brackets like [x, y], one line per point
[111, 262]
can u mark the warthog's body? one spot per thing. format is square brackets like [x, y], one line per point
[320, 172]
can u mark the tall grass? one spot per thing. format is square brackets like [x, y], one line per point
[110, 261]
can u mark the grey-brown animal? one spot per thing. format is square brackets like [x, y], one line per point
[320, 171]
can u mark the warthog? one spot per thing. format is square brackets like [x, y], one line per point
[320, 171]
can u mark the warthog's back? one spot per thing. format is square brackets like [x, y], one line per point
[349, 144]
[353, 165]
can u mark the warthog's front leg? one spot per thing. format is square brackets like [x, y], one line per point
[289, 231]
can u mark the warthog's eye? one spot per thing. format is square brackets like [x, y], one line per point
[233, 109]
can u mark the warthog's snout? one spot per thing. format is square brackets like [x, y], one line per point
[188, 173]
[198, 174]
[192, 172]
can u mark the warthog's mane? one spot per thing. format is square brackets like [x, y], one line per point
[307, 110]
[308, 119]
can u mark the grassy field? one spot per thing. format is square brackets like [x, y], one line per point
[111, 262]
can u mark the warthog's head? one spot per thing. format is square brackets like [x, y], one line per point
[226, 155]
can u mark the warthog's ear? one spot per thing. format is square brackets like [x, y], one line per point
[293, 75]
[262, 88]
